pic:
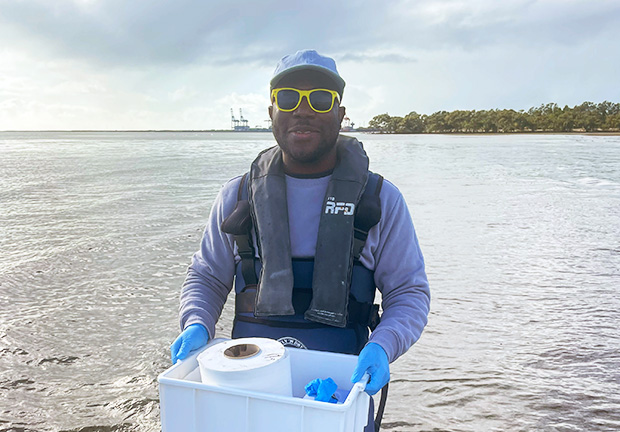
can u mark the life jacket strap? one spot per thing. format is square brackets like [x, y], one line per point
[367, 214]
[239, 224]
[373, 317]
[246, 252]
[308, 325]
[381, 409]
[364, 314]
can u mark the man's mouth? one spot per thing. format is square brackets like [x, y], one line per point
[303, 130]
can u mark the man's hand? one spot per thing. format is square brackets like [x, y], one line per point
[193, 337]
[373, 360]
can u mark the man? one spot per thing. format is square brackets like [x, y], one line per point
[306, 236]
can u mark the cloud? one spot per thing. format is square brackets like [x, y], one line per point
[130, 33]
[183, 93]
[362, 57]
[473, 24]
[139, 32]
[142, 32]
[161, 65]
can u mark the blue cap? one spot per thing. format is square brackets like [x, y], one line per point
[308, 60]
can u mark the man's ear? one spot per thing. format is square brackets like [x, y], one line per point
[270, 110]
[341, 113]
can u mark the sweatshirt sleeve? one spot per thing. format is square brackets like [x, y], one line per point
[210, 275]
[393, 251]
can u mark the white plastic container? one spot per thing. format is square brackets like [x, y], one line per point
[188, 405]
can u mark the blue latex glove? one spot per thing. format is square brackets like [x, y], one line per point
[322, 389]
[193, 337]
[373, 360]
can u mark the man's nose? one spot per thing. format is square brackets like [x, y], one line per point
[304, 108]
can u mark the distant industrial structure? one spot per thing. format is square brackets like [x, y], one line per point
[348, 125]
[240, 124]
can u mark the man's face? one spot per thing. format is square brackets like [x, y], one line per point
[307, 138]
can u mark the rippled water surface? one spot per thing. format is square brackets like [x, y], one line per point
[521, 236]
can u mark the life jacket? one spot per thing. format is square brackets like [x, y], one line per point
[295, 330]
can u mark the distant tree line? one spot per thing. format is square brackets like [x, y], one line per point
[588, 117]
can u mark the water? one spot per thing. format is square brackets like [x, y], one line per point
[520, 234]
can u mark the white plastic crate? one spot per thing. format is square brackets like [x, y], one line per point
[188, 405]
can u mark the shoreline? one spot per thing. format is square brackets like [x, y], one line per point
[612, 133]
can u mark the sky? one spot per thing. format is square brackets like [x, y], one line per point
[183, 64]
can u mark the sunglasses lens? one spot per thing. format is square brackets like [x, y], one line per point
[321, 100]
[287, 99]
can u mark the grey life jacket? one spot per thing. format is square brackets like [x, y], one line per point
[345, 221]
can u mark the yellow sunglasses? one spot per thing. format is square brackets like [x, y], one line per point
[289, 99]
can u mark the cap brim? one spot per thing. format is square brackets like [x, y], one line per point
[338, 81]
